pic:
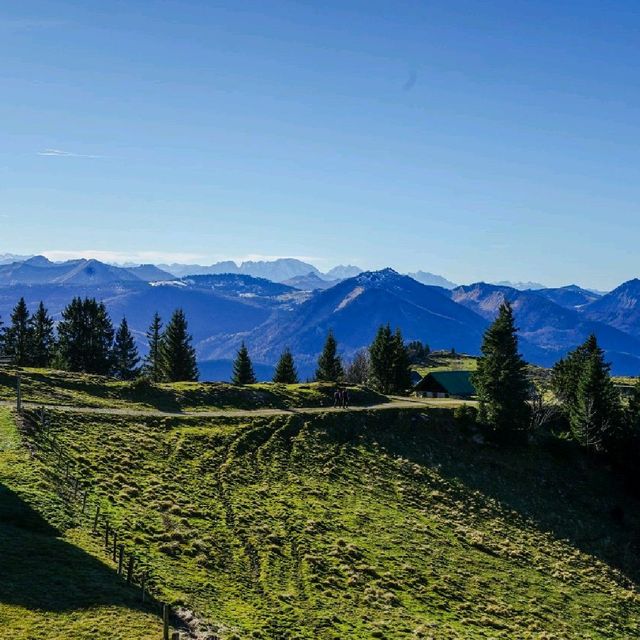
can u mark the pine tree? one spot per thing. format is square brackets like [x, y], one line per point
[595, 413]
[285, 372]
[85, 337]
[389, 361]
[567, 371]
[401, 365]
[17, 338]
[382, 354]
[500, 379]
[243, 368]
[153, 361]
[329, 363]
[178, 356]
[125, 353]
[42, 337]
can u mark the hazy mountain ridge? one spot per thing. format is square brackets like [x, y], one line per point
[225, 308]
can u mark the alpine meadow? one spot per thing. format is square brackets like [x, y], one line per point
[319, 321]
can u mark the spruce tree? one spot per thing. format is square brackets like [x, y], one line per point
[85, 337]
[329, 363]
[389, 361]
[382, 355]
[500, 379]
[285, 372]
[595, 413]
[125, 353]
[401, 364]
[42, 337]
[178, 356]
[243, 368]
[17, 338]
[153, 361]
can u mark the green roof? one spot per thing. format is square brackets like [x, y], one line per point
[455, 383]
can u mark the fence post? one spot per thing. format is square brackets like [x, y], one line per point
[95, 519]
[115, 544]
[130, 570]
[175, 635]
[143, 581]
[120, 559]
[106, 536]
[165, 621]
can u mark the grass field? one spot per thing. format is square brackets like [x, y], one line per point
[84, 390]
[389, 524]
[445, 361]
[53, 584]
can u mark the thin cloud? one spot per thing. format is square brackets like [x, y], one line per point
[59, 153]
[120, 257]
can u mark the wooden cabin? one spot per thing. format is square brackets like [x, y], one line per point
[445, 384]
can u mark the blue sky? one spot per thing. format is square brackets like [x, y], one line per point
[480, 140]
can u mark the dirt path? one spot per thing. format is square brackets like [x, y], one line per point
[396, 403]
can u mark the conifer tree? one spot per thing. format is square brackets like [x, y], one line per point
[17, 338]
[153, 361]
[500, 379]
[389, 361]
[85, 337]
[42, 337]
[329, 363]
[178, 356]
[401, 364]
[382, 354]
[243, 368]
[125, 353]
[595, 413]
[286, 372]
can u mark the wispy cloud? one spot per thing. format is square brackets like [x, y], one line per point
[59, 153]
[121, 257]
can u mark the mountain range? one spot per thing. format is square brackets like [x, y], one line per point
[268, 314]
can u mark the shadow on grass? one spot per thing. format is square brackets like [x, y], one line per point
[558, 489]
[41, 571]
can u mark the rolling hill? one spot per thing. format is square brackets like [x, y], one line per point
[381, 524]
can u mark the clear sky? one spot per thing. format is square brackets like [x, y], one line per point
[476, 139]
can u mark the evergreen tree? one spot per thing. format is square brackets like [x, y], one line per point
[125, 353]
[417, 352]
[382, 355]
[401, 364]
[285, 369]
[85, 337]
[17, 337]
[242, 367]
[153, 361]
[177, 354]
[389, 361]
[500, 380]
[566, 372]
[329, 363]
[359, 369]
[595, 413]
[42, 337]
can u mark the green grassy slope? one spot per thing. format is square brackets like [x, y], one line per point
[371, 525]
[52, 585]
[83, 390]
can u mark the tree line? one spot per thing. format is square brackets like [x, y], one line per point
[385, 365]
[85, 340]
[580, 398]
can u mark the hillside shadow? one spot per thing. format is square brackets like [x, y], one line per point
[41, 571]
[557, 489]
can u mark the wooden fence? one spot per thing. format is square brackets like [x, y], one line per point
[78, 490]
